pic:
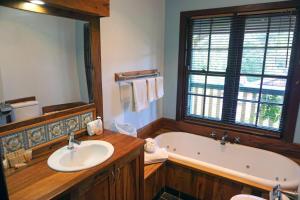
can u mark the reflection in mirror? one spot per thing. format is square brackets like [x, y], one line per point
[43, 65]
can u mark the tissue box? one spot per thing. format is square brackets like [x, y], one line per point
[95, 127]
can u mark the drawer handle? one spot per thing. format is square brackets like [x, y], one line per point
[113, 177]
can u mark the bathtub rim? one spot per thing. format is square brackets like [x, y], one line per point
[228, 173]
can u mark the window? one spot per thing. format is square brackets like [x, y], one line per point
[264, 70]
[237, 68]
[207, 71]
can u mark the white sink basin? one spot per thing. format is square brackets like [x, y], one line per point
[86, 155]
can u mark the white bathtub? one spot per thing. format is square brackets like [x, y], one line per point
[254, 165]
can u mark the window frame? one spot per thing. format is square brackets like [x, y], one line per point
[293, 84]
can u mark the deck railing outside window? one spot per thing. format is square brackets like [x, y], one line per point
[246, 111]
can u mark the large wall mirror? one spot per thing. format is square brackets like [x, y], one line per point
[50, 71]
[45, 65]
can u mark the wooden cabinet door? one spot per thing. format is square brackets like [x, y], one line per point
[99, 187]
[155, 183]
[200, 185]
[225, 189]
[128, 184]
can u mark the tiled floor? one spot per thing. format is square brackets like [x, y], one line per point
[167, 196]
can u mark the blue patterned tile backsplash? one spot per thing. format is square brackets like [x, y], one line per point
[85, 119]
[13, 142]
[72, 124]
[56, 130]
[41, 134]
[36, 136]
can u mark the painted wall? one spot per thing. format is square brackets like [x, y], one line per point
[132, 39]
[173, 9]
[38, 57]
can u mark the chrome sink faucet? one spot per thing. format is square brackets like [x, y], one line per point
[72, 141]
[224, 139]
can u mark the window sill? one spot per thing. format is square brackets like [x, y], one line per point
[236, 128]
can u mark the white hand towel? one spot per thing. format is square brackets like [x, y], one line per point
[126, 96]
[151, 89]
[159, 87]
[140, 95]
[160, 155]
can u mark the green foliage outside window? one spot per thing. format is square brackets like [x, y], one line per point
[269, 111]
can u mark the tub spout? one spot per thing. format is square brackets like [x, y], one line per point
[224, 139]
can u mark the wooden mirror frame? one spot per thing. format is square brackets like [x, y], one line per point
[95, 51]
[95, 46]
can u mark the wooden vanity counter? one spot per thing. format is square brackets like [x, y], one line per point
[38, 181]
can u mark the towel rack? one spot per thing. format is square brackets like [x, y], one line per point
[123, 76]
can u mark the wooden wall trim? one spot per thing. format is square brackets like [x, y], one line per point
[22, 5]
[13, 101]
[60, 107]
[244, 8]
[150, 129]
[271, 144]
[82, 9]
[98, 8]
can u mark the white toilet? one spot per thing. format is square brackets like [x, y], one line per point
[25, 110]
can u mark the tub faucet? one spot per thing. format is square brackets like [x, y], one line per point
[213, 135]
[72, 141]
[237, 140]
[277, 194]
[224, 139]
